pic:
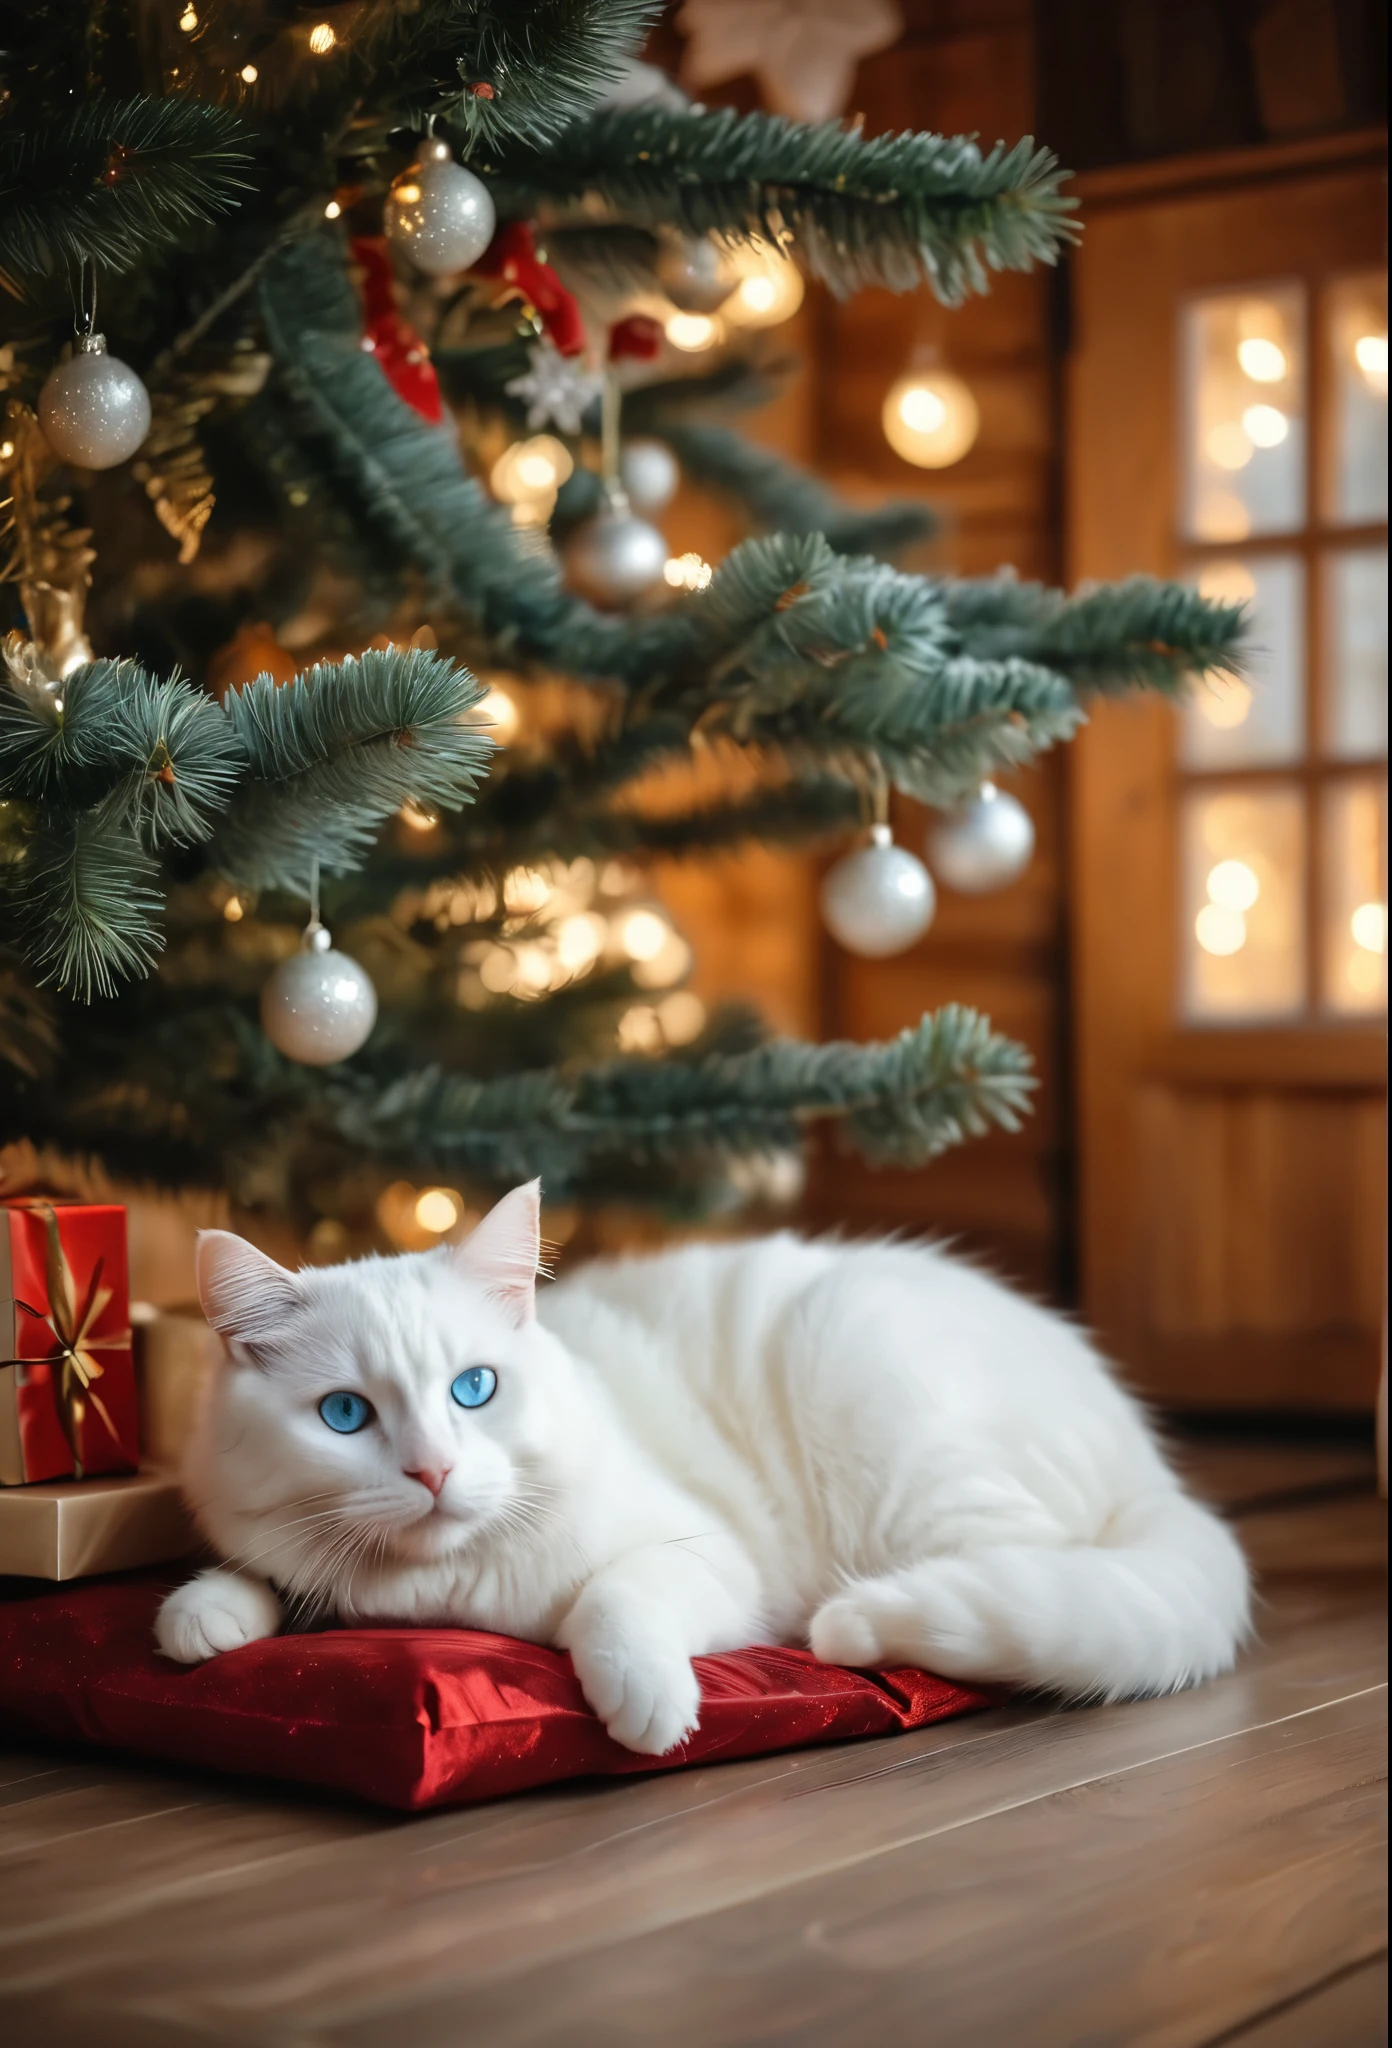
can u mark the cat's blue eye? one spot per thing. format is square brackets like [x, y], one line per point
[474, 1387]
[347, 1413]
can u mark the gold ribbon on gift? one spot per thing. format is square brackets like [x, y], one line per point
[74, 1364]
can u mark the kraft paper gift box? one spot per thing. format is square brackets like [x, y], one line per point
[72, 1529]
[67, 1376]
[176, 1354]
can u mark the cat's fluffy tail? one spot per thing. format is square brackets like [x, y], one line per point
[1162, 1602]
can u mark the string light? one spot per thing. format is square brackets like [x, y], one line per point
[233, 910]
[1229, 446]
[188, 20]
[930, 418]
[1262, 360]
[693, 331]
[687, 572]
[438, 1209]
[498, 713]
[332, 210]
[1220, 931]
[644, 934]
[1369, 927]
[770, 287]
[1225, 701]
[1233, 885]
[1370, 354]
[322, 38]
[1266, 426]
[6, 450]
[250, 74]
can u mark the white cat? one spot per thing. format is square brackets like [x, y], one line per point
[871, 1448]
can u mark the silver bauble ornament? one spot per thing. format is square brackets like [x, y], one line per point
[93, 409]
[983, 846]
[694, 272]
[614, 557]
[879, 899]
[318, 1006]
[440, 216]
[649, 474]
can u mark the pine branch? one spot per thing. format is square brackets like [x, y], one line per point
[777, 496]
[1140, 634]
[115, 181]
[897, 210]
[84, 905]
[335, 754]
[158, 754]
[907, 1100]
[540, 63]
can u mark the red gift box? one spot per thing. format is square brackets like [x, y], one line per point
[67, 1376]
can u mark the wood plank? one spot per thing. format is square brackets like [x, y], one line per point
[1151, 1908]
[503, 1890]
[1348, 2012]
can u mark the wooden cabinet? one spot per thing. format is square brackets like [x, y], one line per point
[1227, 422]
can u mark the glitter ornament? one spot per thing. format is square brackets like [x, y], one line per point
[614, 557]
[93, 409]
[649, 474]
[695, 274]
[438, 215]
[983, 846]
[879, 899]
[318, 1006]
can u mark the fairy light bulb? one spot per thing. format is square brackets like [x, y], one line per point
[322, 38]
[693, 332]
[770, 287]
[930, 418]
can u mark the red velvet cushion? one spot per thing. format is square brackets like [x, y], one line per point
[409, 1717]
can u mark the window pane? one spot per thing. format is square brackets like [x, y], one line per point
[1356, 324]
[1355, 897]
[1244, 414]
[1255, 720]
[1244, 886]
[1356, 623]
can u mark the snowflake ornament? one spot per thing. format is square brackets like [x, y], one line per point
[803, 52]
[558, 392]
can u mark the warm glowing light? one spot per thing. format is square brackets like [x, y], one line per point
[1219, 930]
[438, 1209]
[1224, 702]
[408, 193]
[531, 472]
[1364, 974]
[1227, 583]
[1265, 425]
[930, 418]
[639, 1030]
[6, 450]
[1370, 354]
[497, 711]
[525, 891]
[322, 38]
[1233, 885]
[1369, 927]
[580, 940]
[693, 331]
[682, 1016]
[687, 572]
[1262, 360]
[770, 287]
[233, 910]
[418, 817]
[332, 210]
[250, 74]
[188, 20]
[498, 970]
[1228, 445]
[644, 934]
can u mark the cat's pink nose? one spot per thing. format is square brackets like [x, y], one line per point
[432, 1476]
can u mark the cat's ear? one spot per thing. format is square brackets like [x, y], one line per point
[246, 1296]
[501, 1254]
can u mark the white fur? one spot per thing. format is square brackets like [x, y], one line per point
[872, 1448]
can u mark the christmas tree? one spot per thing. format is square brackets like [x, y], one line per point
[331, 596]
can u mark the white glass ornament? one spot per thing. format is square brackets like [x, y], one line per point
[440, 216]
[879, 899]
[614, 557]
[649, 474]
[983, 846]
[318, 1006]
[695, 273]
[93, 409]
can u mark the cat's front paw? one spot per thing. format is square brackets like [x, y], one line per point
[641, 1686]
[215, 1612]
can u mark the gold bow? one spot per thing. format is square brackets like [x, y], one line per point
[74, 1364]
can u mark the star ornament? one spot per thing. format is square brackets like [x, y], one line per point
[557, 392]
[803, 52]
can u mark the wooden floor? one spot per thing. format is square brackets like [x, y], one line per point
[1204, 1869]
